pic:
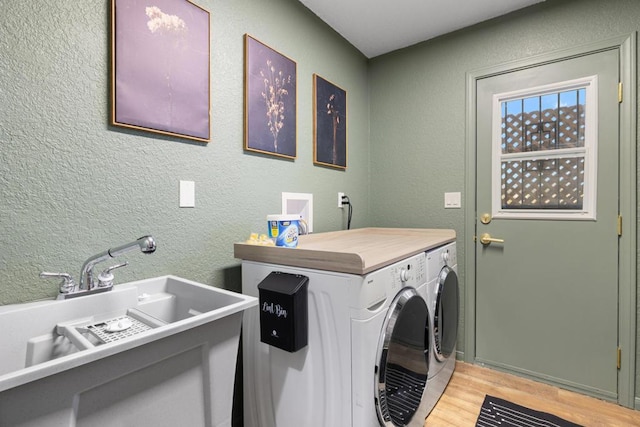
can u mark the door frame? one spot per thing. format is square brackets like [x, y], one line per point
[627, 262]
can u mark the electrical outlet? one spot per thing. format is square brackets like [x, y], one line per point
[340, 196]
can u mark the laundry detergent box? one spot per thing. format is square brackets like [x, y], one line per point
[284, 229]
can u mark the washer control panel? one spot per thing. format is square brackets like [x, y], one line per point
[410, 272]
[386, 283]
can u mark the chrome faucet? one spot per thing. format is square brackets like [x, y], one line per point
[146, 244]
[88, 285]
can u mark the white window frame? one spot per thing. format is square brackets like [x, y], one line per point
[589, 152]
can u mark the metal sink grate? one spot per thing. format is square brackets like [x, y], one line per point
[101, 332]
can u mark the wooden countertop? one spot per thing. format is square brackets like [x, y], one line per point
[357, 251]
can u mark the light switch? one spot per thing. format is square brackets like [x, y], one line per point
[187, 194]
[452, 200]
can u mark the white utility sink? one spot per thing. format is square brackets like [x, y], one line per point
[163, 348]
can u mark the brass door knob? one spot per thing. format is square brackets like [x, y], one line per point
[486, 239]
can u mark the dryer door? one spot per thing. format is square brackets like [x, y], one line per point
[445, 323]
[402, 359]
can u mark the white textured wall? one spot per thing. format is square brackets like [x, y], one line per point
[71, 185]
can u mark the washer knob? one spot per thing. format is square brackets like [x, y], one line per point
[445, 257]
[404, 275]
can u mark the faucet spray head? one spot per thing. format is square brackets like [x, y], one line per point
[147, 244]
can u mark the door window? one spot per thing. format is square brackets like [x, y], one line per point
[544, 145]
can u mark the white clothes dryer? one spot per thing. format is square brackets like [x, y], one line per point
[365, 362]
[443, 301]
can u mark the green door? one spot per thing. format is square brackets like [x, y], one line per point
[547, 194]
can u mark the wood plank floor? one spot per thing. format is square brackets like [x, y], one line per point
[461, 402]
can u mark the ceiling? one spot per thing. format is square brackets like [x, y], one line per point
[377, 27]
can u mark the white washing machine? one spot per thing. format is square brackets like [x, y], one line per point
[365, 362]
[443, 301]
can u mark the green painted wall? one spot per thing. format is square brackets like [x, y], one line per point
[418, 105]
[71, 185]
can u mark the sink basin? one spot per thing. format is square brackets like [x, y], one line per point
[137, 327]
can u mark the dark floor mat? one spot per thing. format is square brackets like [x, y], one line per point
[498, 412]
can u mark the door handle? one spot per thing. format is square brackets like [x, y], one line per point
[486, 239]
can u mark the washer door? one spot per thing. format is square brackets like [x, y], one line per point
[445, 319]
[402, 359]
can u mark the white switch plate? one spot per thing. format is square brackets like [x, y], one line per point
[452, 200]
[187, 194]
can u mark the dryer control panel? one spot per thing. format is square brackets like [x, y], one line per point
[439, 257]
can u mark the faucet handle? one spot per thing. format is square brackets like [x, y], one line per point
[105, 279]
[68, 284]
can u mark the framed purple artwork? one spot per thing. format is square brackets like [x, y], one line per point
[160, 67]
[329, 124]
[270, 101]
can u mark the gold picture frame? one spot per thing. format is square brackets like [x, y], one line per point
[270, 106]
[160, 68]
[329, 124]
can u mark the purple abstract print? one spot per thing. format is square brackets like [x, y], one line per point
[161, 67]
